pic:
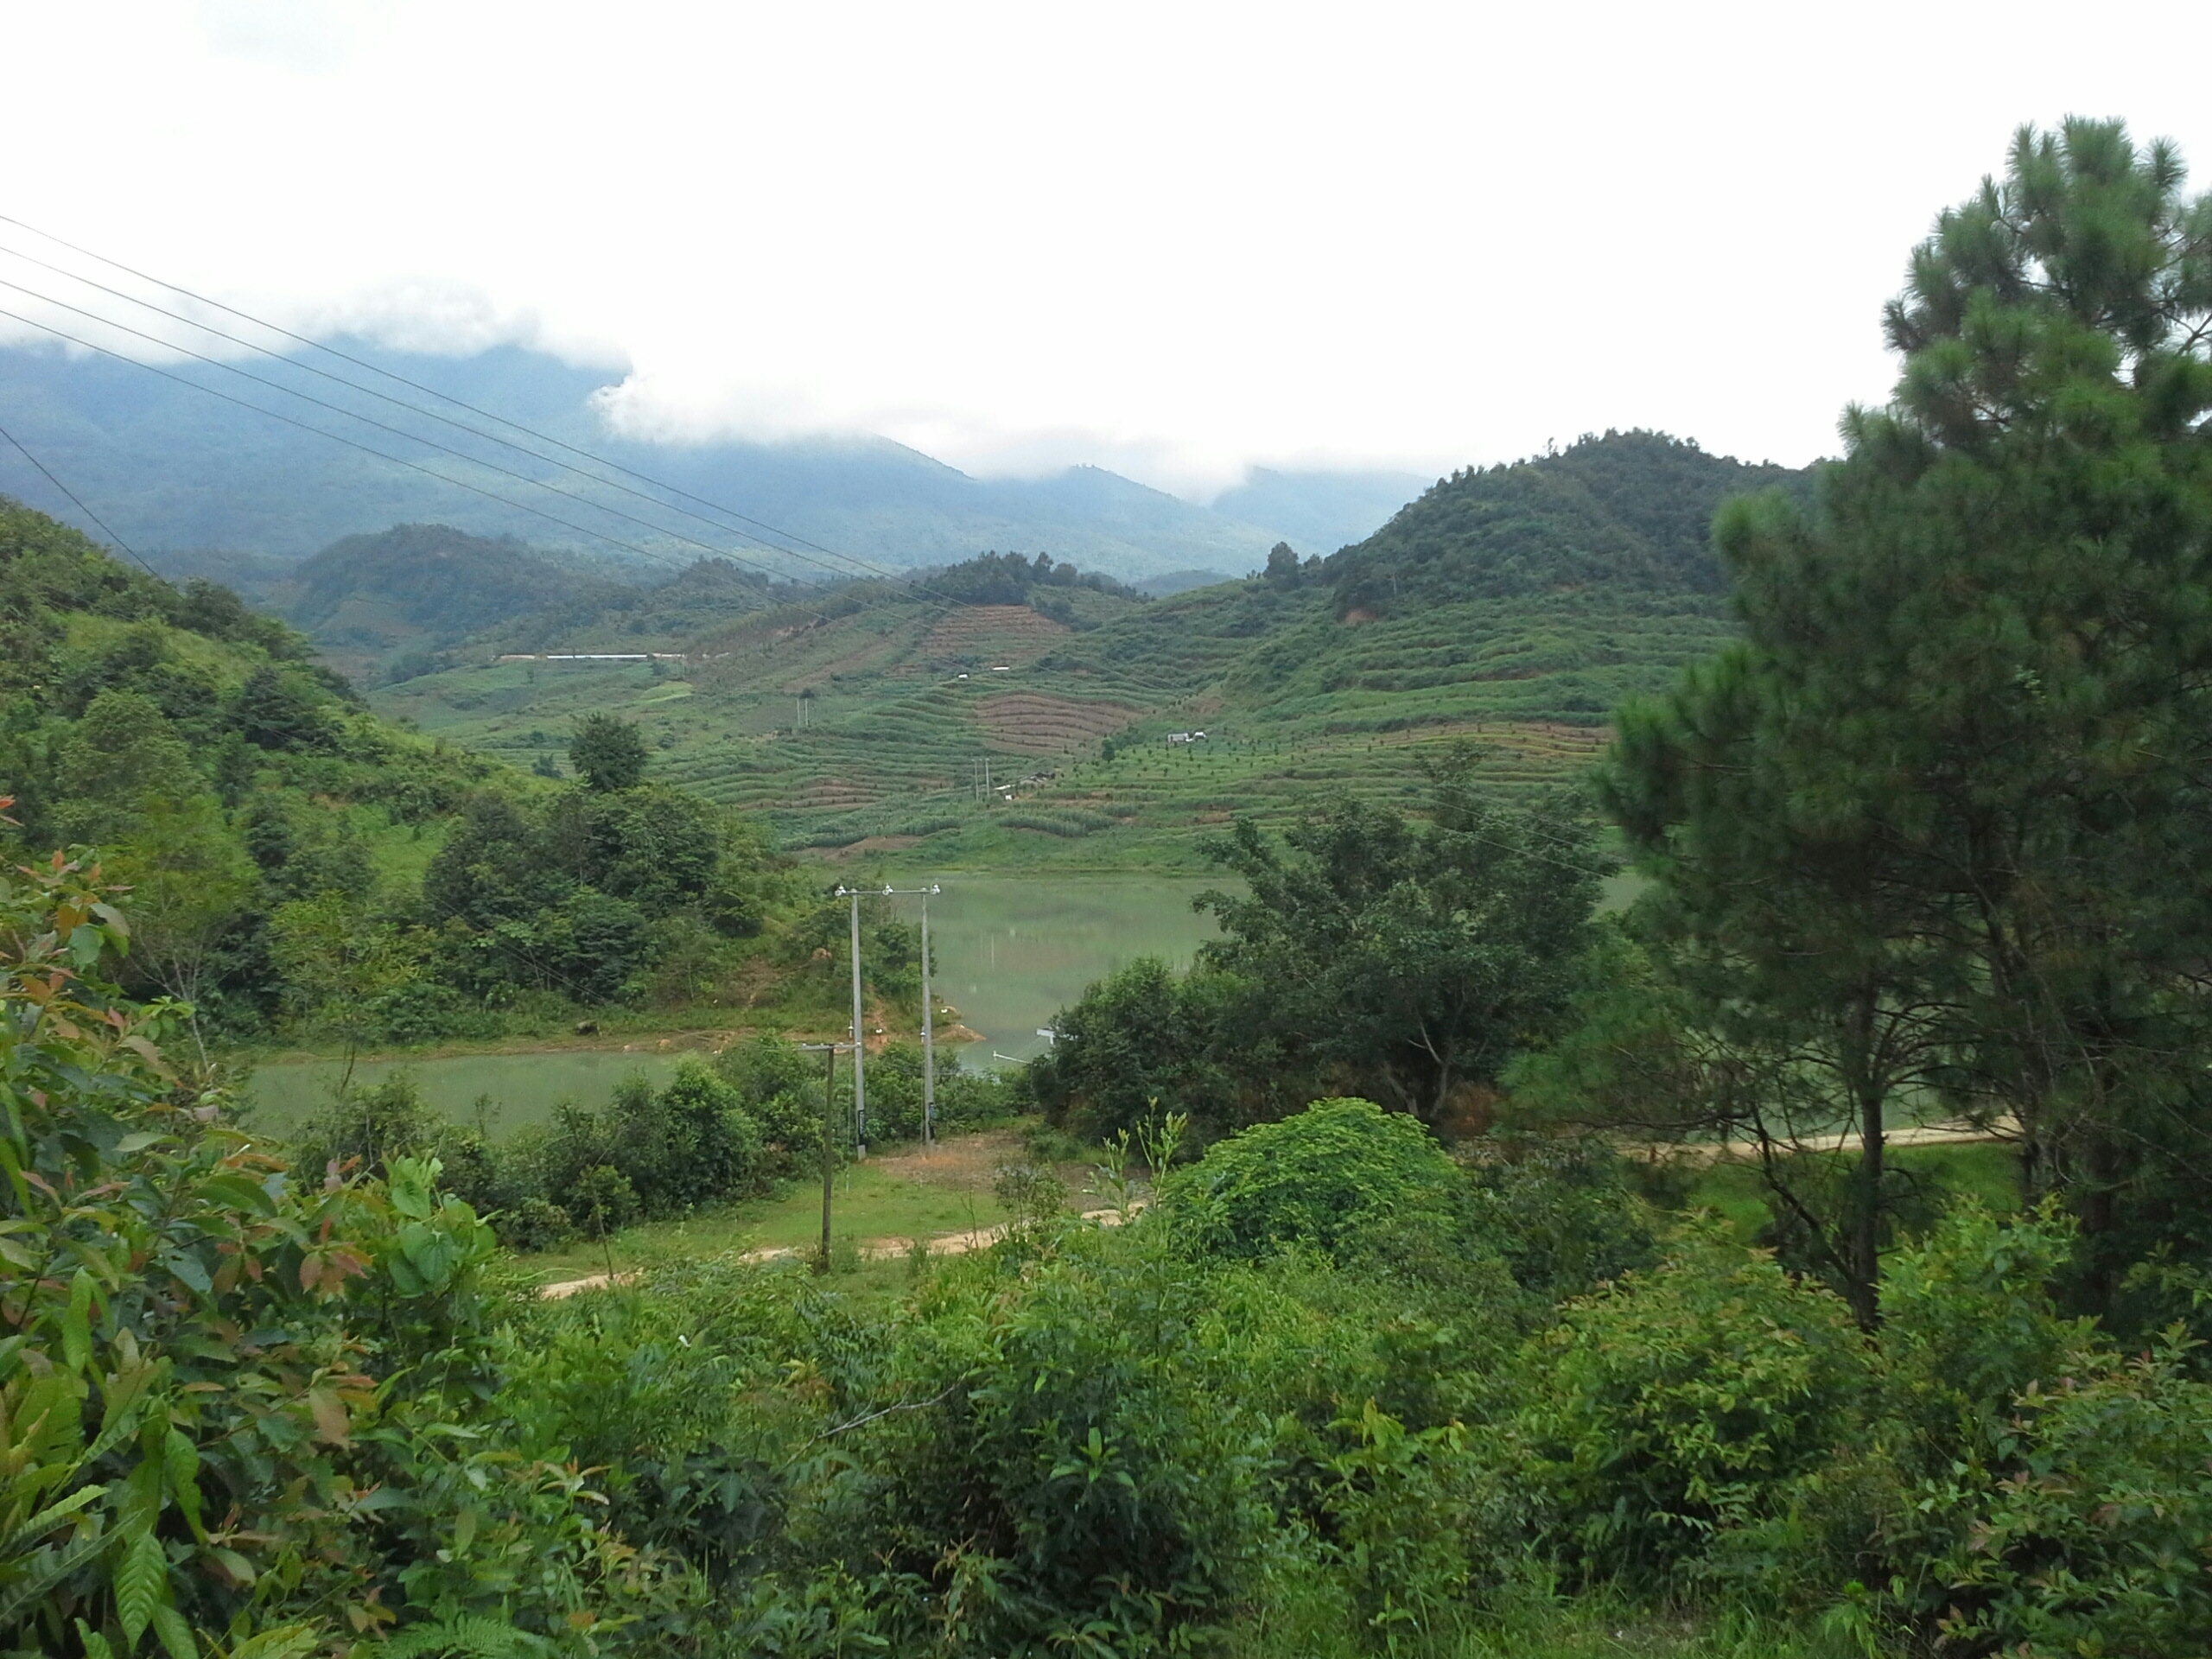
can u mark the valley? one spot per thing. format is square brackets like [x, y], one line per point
[1510, 613]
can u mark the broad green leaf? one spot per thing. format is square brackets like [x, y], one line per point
[175, 1634]
[285, 1641]
[180, 1469]
[77, 1324]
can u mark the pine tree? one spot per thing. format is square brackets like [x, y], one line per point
[1943, 813]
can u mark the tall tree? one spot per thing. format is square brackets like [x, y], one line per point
[1956, 783]
[1403, 960]
[608, 753]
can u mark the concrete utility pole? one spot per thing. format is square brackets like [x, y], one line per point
[859, 1036]
[828, 1134]
[928, 1037]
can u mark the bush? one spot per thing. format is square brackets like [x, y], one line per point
[690, 1143]
[2093, 1535]
[1327, 1178]
[1139, 1042]
[212, 1360]
[1561, 1214]
[534, 1225]
[1681, 1403]
[1086, 1465]
[2027, 1488]
[366, 1125]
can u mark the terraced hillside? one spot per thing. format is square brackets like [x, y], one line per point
[995, 734]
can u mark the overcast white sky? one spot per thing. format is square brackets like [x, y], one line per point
[1174, 240]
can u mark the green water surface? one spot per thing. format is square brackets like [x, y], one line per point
[1010, 952]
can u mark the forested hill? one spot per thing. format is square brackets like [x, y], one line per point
[300, 866]
[432, 576]
[388, 603]
[1627, 510]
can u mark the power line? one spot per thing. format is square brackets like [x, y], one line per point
[382, 426]
[81, 507]
[401, 380]
[396, 461]
[412, 466]
[857, 566]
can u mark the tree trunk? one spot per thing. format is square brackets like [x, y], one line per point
[1862, 1250]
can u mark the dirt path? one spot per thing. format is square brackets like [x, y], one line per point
[966, 1163]
[1925, 1134]
[969, 1162]
[871, 1250]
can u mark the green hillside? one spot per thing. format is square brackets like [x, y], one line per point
[303, 870]
[1511, 608]
[394, 604]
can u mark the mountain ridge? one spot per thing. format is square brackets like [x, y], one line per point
[171, 468]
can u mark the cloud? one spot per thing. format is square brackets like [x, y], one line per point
[1173, 240]
[306, 36]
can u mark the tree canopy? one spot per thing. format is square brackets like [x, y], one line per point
[1940, 815]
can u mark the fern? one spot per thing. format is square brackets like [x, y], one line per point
[46, 1521]
[15, 1605]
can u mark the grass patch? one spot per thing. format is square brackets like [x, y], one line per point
[1986, 1172]
[901, 1194]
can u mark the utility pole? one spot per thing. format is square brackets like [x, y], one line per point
[859, 1036]
[929, 1039]
[828, 1133]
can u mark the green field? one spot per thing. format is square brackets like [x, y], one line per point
[1292, 701]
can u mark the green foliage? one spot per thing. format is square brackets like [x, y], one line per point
[1012, 579]
[1411, 961]
[1631, 508]
[2095, 1542]
[1325, 1179]
[256, 809]
[1140, 1040]
[1368, 952]
[1680, 1402]
[1561, 1214]
[1932, 829]
[607, 753]
[277, 710]
[211, 1368]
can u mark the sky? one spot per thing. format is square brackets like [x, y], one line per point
[1176, 240]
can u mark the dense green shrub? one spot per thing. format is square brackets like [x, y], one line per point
[690, 1142]
[2092, 1534]
[230, 1400]
[1086, 1461]
[2026, 1488]
[1326, 1179]
[1680, 1402]
[1141, 1041]
[1561, 1213]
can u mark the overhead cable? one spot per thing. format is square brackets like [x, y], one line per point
[74, 497]
[857, 566]
[401, 380]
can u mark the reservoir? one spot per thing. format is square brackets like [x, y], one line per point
[1010, 952]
